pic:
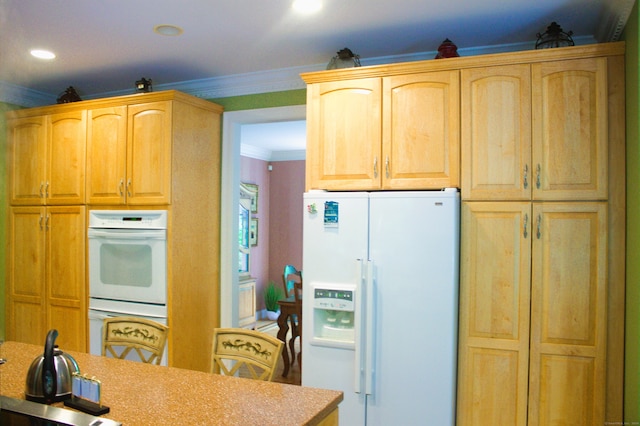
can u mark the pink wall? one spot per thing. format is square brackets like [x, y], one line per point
[279, 217]
[286, 213]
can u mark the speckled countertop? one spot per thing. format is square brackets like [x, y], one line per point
[143, 394]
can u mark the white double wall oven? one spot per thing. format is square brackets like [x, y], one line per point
[127, 268]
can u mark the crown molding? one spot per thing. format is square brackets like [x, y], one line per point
[261, 81]
[613, 20]
[18, 95]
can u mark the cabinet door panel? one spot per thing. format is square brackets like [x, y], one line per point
[494, 313]
[570, 135]
[568, 314]
[27, 139]
[247, 303]
[343, 128]
[66, 289]
[149, 153]
[66, 158]
[26, 275]
[496, 133]
[106, 155]
[421, 131]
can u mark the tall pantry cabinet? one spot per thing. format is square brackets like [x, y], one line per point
[541, 292]
[539, 136]
[46, 228]
[145, 151]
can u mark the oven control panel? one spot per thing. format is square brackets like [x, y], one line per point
[128, 219]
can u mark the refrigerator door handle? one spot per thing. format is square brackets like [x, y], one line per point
[369, 330]
[359, 324]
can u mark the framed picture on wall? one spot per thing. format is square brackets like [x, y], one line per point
[253, 232]
[254, 197]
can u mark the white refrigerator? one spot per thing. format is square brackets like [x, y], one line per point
[380, 303]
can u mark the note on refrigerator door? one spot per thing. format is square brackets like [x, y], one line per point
[331, 214]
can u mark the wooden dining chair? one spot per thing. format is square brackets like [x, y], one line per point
[240, 351]
[292, 280]
[122, 335]
[289, 276]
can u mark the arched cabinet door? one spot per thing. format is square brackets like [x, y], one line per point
[343, 135]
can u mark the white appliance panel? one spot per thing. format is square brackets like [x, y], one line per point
[409, 280]
[331, 254]
[414, 250]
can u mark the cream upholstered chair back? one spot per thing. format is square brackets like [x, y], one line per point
[122, 335]
[245, 352]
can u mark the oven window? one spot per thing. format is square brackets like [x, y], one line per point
[126, 264]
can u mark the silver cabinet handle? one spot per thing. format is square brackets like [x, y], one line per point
[121, 187]
[375, 167]
[526, 176]
[538, 176]
[41, 189]
[526, 225]
[40, 222]
[538, 232]
[129, 188]
[386, 166]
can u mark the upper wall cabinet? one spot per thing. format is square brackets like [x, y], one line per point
[394, 132]
[496, 132]
[344, 140]
[421, 142]
[535, 131]
[129, 154]
[47, 159]
[570, 134]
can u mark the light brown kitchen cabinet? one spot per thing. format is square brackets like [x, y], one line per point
[46, 275]
[47, 159]
[567, 374]
[129, 154]
[421, 131]
[496, 132]
[542, 176]
[158, 150]
[546, 272]
[387, 132]
[344, 140]
[107, 155]
[535, 131]
[495, 276]
[570, 129]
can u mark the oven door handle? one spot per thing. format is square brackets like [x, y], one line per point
[123, 234]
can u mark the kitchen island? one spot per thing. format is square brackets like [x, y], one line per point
[144, 394]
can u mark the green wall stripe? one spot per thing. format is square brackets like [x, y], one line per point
[263, 100]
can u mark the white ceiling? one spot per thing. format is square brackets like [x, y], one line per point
[277, 141]
[103, 47]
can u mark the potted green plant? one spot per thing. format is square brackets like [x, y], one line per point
[272, 294]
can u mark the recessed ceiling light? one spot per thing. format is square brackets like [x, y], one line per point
[167, 30]
[307, 6]
[42, 54]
